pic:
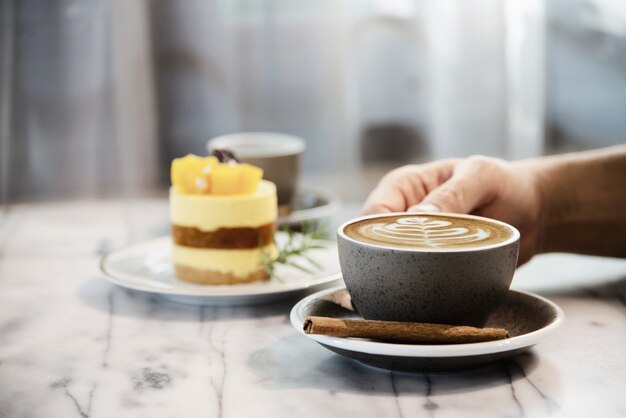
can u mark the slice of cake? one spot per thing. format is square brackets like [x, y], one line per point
[223, 218]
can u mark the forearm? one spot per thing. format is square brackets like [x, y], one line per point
[583, 198]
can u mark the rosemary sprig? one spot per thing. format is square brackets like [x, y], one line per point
[294, 252]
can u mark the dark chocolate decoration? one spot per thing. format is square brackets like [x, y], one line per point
[224, 155]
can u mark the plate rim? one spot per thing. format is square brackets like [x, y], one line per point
[319, 212]
[428, 350]
[121, 279]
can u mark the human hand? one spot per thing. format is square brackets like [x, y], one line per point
[477, 185]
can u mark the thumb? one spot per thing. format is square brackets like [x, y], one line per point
[470, 187]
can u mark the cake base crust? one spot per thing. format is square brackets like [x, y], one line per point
[201, 276]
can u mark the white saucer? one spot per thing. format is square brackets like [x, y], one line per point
[147, 266]
[311, 205]
[528, 318]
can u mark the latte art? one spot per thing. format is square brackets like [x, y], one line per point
[428, 232]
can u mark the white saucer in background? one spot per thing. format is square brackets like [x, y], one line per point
[311, 205]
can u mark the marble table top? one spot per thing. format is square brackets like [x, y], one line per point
[73, 345]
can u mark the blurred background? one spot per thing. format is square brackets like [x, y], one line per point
[97, 97]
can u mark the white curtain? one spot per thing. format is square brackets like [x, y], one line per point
[77, 104]
[98, 96]
[459, 77]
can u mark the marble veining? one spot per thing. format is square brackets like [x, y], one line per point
[72, 345]
[429, 405]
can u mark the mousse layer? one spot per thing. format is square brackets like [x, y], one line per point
[237, 262]
[211, 212]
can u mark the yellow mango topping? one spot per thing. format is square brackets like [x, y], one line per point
[235, 179]
[206, 175]
[249, 178]
[190, 174]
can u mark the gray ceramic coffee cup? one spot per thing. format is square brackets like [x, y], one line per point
[277, 154]
[457, 286]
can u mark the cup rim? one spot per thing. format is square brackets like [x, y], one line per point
[515, 236]
[291, 144]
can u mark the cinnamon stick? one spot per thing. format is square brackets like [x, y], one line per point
[401, 331]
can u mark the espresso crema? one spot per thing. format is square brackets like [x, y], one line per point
[428, 232]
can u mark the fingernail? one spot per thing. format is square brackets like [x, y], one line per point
[424, 207]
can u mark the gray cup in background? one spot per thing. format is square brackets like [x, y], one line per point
[277, 154]
[456, 286]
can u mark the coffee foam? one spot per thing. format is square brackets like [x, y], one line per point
[428, 232]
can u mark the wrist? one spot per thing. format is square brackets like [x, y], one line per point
[538, 174]
[581, 201]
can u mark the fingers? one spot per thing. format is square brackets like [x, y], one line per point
[380, 208]
[407, 186]
[384, 199]
[424, 207]
[388, 195]
[474, 183]
[446, 185]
